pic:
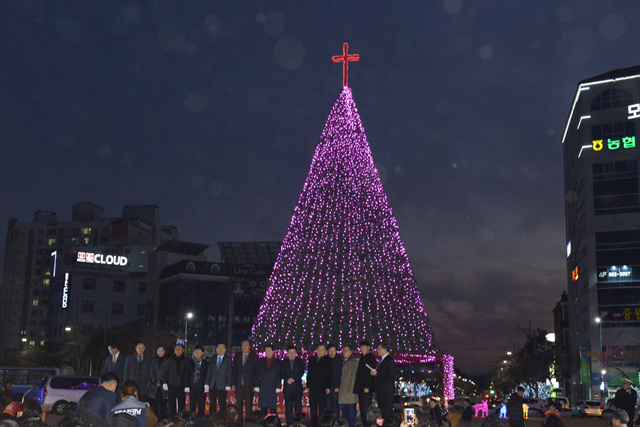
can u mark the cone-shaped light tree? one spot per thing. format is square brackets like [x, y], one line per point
[343, 274]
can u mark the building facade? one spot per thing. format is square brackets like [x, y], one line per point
[602, 206]
[32, 249]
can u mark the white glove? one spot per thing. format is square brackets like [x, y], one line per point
[187, 389]
[256, 389]
[278, 390]
[165, 387]
[206, 388]
[227, 388]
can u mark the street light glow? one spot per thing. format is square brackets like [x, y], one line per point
[189, 315]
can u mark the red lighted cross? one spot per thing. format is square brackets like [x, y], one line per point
[345, 58]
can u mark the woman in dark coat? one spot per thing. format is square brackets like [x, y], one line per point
[268, 381]
[157, 395]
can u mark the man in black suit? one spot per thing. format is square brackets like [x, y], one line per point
[363, 385]
[291, 371]
[336, 364]
[196, 380]
[99, 400]
[218, 380]
[319, 382]
[138, 368]
[114, 363]
[385, 384]
[243, 378]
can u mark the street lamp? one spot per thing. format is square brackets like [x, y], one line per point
[598, 320]
[186, 321]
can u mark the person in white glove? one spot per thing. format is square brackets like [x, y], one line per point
[174, 374]
[219, 378]
[165, 387]
[196, 380]
[269, 381]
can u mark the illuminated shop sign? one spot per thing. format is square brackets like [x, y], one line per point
[614, 144]
[569, 249]
[619, 314]
[616, 274]
[574, 274]
[91, 258]
[634, 111]
[65, 291]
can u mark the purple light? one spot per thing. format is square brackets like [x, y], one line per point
[343, 274]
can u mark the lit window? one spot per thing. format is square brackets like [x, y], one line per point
[51, 241]
[86, 230]
[46, 282]
[35, 302]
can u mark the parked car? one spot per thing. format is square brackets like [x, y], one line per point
[538, 405]
[587, 408]
[400, 402]
[60, 391]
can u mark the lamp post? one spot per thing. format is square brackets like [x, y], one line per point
[186, 322]
[598, 320]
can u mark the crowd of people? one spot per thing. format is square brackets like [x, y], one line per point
[335, 382]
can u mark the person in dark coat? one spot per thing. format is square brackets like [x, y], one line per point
[336, 366]
[243, 378]
[218, 380]
[157, 395]
[114, 363]
[99, 400]
[363, 386]
[385, 384]
[175, 375]
[137, 368]
[514, 408]
[269, 381]
[319, 382]
[467, 413]
[291, 372]
[625, 399]
[196, 377]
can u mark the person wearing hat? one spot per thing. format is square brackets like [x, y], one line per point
[625, 399]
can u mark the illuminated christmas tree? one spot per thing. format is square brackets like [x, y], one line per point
[343, 274]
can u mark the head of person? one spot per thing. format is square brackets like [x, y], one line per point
[492, 421]
[232, 411]
[198, 352]
[269, 351]
[619, 418]
[161, 351]
[326, 420]
[31, 410]
[373, 413]
[365, 347]
[346, 352]
[109, 381]
[292, 352]
[331, 349]
[433, 401]
[246, 346]
[272, 421]
[113, 348]
[178, 350]
[321, 350]
[186, 418]
[221, 419]
[467, 401]
[520, 391]
[256, 417]
[130, 388]
[140, 348]
[626, 383]
[300, 418]
[553, 421]
[340, 422]
[221, 349]
[383, 349]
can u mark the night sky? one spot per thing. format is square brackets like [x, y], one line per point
[212, 111]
